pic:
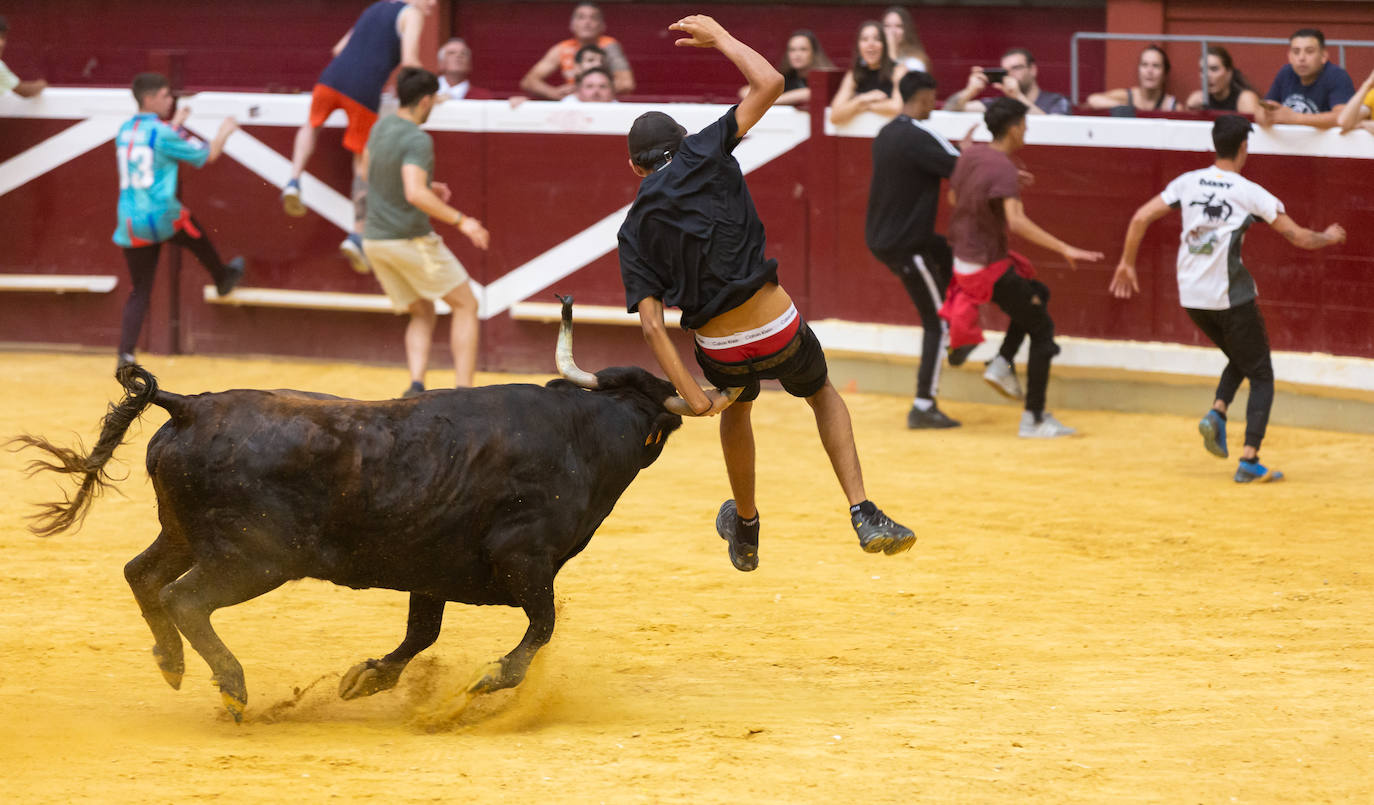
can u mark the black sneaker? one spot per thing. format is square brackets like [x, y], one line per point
[930, 419]
[233, 272]
[125, 359]
[957, 355]
[415, 389]
[877, 532]
[743, 540]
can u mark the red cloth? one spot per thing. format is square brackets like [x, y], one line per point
[968, 291]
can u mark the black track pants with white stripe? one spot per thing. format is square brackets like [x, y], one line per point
[925, 275]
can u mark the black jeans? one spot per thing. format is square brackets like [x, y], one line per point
[1027, 303]
[142, 262]
[925, 275]
[1240, 333]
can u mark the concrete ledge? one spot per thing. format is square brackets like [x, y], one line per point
[58, 283]
[1099, 389]
[310, 300]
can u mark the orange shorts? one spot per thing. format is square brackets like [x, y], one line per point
[324, 100]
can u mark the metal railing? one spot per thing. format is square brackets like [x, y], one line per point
[1339, 44]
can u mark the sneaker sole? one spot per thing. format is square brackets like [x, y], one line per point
[941, 426]
[1268, 477]
[878, 545]
[900, 546]
[1215, 446]
[293, 206]
[1000, 389]
[356, 261]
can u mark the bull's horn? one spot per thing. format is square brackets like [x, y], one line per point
[563, 355]
[679, 406]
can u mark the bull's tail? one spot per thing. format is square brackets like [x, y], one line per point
[140, 390]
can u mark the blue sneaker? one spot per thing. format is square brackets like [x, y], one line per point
[1252, 471]
[352, 249]
[1213, 430]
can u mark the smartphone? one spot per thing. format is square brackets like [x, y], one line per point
[995, 74]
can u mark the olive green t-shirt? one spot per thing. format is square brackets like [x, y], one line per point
[394, 142]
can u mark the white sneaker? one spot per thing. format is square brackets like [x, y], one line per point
[352, 248]
[1047, 428]
[1002, 377]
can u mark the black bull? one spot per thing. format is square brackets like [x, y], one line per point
[477, 496]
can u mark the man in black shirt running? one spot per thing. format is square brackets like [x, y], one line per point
[692, 239]
[909, 159]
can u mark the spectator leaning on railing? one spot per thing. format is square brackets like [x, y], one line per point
[10, 81]
[804, 54]
[1358, 112]
[588, 27]
[870, 85]
[1021, 84]
[1150, 92]
[1227, 90]
[593, 86]
[455, 73]
[1309, 90]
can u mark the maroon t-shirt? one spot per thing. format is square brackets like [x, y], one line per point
[978, 227]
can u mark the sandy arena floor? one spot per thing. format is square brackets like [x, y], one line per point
[1100, 619]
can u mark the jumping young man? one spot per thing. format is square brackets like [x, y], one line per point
[909, 159]
[692, 239]
[386, 34]
[1215, 288]
[148, 152]
[986, 187]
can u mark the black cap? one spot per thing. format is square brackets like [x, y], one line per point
[655, 132]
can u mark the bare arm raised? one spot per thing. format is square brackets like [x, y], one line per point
[765, 82]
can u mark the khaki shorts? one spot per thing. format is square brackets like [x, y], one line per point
[411, 269]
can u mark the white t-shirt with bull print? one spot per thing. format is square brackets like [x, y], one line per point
[1217, 206]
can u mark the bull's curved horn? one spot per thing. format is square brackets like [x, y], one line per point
[679, 406]
[563, 355]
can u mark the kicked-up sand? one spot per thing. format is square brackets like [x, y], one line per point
[1106, 618]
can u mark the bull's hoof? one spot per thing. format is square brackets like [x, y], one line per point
[173, 678]
[489, 677]
[172, 669]
[234, 705]
[366, 678]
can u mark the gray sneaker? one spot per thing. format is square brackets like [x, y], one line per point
[878, 532]
[1001, 375]
[1047, 428]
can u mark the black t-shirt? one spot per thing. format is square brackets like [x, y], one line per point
[909, 159]
[692, 238]
[1227, 104]
[792, 80]
[867, 79]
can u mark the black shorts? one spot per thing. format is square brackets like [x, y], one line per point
[799, 366]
